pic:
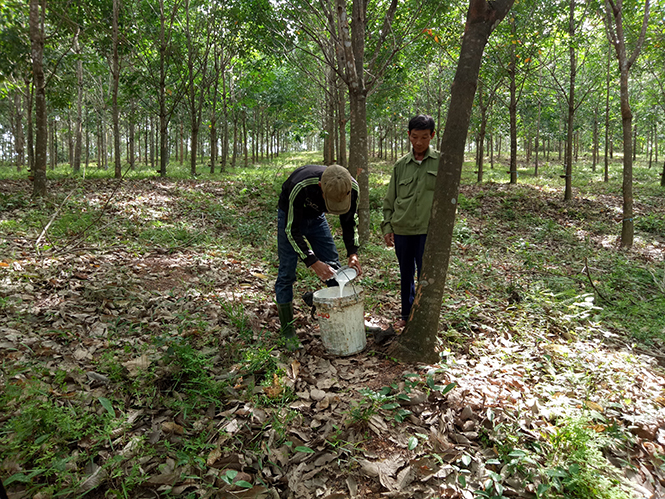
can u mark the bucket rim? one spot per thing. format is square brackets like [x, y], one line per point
[354, 294]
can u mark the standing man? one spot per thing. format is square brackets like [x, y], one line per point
[309, 193]
[407, 206]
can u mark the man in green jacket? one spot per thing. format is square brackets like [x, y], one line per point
[407, 206]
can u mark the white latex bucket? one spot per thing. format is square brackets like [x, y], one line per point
[341, 319]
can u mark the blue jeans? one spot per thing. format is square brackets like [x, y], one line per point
[409, 251]
[318, 235]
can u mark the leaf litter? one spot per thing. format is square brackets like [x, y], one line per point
[97, 330]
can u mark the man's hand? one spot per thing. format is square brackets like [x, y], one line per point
[354, 263]
[389, 239]
[323, 270]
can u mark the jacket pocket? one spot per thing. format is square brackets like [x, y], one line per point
[405, 188]
[431, 180]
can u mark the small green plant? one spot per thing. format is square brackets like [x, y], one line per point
[229, 478]
[367, 407]
[260, 360]
[652, 223]
[235, 311]
[463, 233]
[576, 466]
[391, 398]
[39, 435]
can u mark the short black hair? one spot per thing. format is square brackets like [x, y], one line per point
[421, 122]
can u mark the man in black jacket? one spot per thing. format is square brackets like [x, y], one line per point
[309, 193]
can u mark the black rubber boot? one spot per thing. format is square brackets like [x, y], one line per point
[287, 329]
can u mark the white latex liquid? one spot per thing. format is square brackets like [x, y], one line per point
[344, 276]
[341, 280]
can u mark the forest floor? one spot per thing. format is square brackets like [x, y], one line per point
[140, 354]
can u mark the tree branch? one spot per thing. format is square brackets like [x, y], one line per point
[588, 274]
[640, 40]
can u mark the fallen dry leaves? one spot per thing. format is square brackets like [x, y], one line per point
[65, 311]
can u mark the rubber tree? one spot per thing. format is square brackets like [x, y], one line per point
[39, 82]
[366, 37]
[198, 51]
[570, 96]
[615, 33]
[78, 125]
[159, 63]
[115, 77]
[351, 51]
[486, 97]
[572, 25]
[418, 341]
[515, 47]
[16, 68]
[656, 61]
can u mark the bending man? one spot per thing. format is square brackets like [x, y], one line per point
[309, 193]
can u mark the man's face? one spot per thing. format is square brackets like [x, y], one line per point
[420, 140]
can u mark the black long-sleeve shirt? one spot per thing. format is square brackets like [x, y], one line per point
[302, 198]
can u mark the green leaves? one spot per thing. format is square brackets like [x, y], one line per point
[106, 404]
[304, 449]
[230, 476]
[413, 442]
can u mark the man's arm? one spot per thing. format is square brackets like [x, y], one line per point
[388, 210]
[294, 221]
[348, 223]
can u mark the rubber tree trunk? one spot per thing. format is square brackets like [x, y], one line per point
[358, 165]
[419, 340]
[17, 129]
[606, 171]
[568, 192]
[78, 126]
[116, 82]
[354, 50]
[341, 124]
[41, 125]
[482, 105]
[29, 93]
[329, 118]
[512, 108]
[627, 227]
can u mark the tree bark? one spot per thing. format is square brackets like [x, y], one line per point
[512, 107]
[606, 176]
[568, 192]
[197, 89]
[41, 125]
[537, 143]
[329, 117]
[225, 124]
[116, 81]
[17, 129]
[78, 125]
[594, 154]
[131, 146]
[483, 105]
[29, 86]
[341, 124]
[419, 340]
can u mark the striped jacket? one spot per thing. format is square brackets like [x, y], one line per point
[302, 199]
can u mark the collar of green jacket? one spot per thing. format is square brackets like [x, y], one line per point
[430, 153]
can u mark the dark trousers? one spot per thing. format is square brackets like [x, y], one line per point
[317, 232]
[409, 251]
